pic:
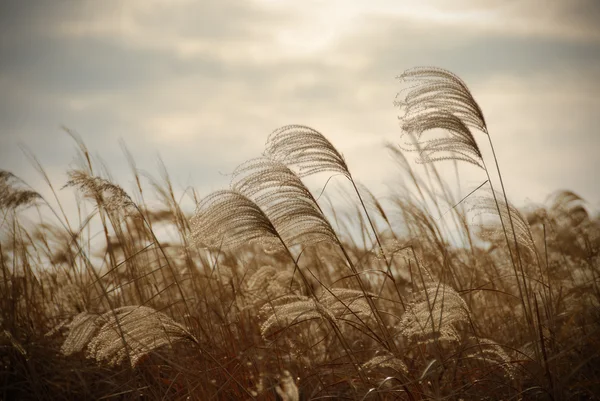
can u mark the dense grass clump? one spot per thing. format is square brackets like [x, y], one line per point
[268, 292]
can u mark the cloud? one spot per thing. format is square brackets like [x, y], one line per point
[575, 20]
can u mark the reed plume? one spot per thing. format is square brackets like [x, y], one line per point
[459, 145]
[490, 205]
[435, 89]
[305, 148]
[291, 309]
[126, 333]
[332, 305]
[268, 283]
[435, 314]
[13, 197]
[111, 196]
[227, 219]
[285, 200]
[385, 361]
[267, 203]
[490, 352]
[81, 329]
[568, 205]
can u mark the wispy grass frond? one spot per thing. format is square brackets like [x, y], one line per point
[108, 195]
[13, 197]
[522, 231]
[332, 305]
[567, 204]
[82, 329]
[435, 314]
[305, 148]
[227, 219]
[126, 333]
[437, 89]
[345, 302]
[144, 330]
[490, 352]
[299, 309]
[565, 198]
[458, 145]
[268, 283]
[385, 361]
[284, 198]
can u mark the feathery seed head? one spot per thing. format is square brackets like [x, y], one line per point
[285, 200]
[227, 219]
[438, 99]
[269, 283]
[331, 305]
[385, 361]
[127, 332]
[306, 149]
[438, 89]
[490, 352]
[111, 196]
[434, 314]
[487, 205]
[459, 145]
[12, 197]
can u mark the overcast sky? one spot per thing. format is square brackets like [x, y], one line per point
[203, 83]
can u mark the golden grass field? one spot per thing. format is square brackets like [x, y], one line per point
[271, 291]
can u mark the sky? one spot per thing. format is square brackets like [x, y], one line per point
[203, 83]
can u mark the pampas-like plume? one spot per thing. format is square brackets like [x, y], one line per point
[459, 145]
[438, 99]
[12, 197]
[305, 148]
[490, 352]
[385, 361]
[334, 304]
[270, 283]
[568, 205]
[440, 90]
[227, 219]
[111, 196]
[522, 231]
[284, 198]
[82, 329]
[127, 332]
[434, 314]
[291, 309]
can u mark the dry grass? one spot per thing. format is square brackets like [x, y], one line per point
[262, 296]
